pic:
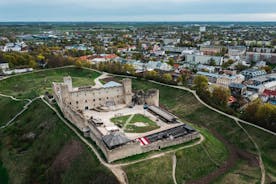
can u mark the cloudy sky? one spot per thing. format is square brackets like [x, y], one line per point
[137, 10]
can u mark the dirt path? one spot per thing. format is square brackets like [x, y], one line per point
[25, 107]
[261, 164]
[97, 81]
[234, 155]
[128, 121]
[173, 168]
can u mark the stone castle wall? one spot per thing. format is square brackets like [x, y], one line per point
[71, 102]
[127, 150]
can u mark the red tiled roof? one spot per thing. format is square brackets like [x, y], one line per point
[268, 92]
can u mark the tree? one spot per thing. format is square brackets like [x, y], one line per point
[200, 83]
[32, 63]
[171, 61]
[151, 74]
[263, 114]
[228, 63]
[267, 69]
[241, 67]
[167, 77]
[220, 96]
[212, 62]
[40, 57]
[78, 63]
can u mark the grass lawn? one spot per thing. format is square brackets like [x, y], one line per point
[137, 118]
[158, 170]
[4, 177]
[242, 173]
[120, 121]
[39, 148]
[9, 108]
[34, 84]
[267, 145]
[198, 161]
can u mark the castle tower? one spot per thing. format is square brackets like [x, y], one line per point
[127, 90]
[68, 82]
[152, 97]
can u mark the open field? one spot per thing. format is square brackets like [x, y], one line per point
[9, 108]
[158, 170]
[242, 173]
[267, 145]
[39, 148]
[35, 84]
[137, 118]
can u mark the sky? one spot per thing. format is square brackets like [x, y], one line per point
[137, 10]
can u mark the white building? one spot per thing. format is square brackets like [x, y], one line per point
[202, 29]
[222, 80]
[203, 59]
[4, 66]
[17, 71]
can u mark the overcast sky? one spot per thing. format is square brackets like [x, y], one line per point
[137, 10]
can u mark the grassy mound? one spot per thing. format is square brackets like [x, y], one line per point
[39, 148]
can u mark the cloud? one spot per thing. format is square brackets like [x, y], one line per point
[88, 10]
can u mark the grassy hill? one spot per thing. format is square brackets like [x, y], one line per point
[185, 106]
[39, 148]
[9, 108]
[225, 141]
[35, 84]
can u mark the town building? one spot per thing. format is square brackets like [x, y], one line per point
[237, 89]
[211, 50]
[222, 80]
[251, 73]
[4, 66]
[257, 56]
[236, 52]
[203, 59]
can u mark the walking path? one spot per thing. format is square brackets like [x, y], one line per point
[128, 121]
[261, 164]
[97, 81]
[26, 106]
[173, 168]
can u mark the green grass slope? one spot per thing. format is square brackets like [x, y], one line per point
[34, 84]
[39, 148]
[9, 108]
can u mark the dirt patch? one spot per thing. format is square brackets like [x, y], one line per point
[109, 79]
[65, 157]
[140, 124]
[234, 155]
